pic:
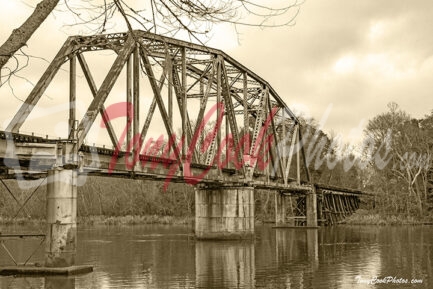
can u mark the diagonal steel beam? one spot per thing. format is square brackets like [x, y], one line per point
[200, 77]
[158, 97]
[28, 198]
[258, 124]
[15, 198]
[238, 98]
[204, 100]
[36, 94]
[304, 159]
[8, 252]
[292, 148]
[274, 132]
[179, 96]
[153, 105]
[230, 111]
[104, 90]
[94, 90]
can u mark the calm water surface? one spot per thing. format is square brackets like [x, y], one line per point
[168, 257]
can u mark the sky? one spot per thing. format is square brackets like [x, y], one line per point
[341, 63]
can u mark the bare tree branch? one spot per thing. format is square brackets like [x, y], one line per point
[196, 17]
[21, 35]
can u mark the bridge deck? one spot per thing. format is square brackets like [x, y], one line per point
[33, 156]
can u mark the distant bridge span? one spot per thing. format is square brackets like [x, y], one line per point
[237, 135]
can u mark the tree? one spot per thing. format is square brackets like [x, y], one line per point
[403, 183]
[196, 17]
[329, 160]
[21, 35]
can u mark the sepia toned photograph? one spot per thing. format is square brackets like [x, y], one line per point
[216, 144]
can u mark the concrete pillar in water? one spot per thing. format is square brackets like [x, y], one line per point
[280, 208]
[61, 218]
[224, 213]
[311, 204]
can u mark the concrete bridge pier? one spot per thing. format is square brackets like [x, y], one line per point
[311, 207]
[224, 212]
[61, 217]
[280, 208]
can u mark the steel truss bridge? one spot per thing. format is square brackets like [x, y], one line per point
[235, 129]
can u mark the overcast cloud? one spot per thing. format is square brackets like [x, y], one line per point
[354, 55]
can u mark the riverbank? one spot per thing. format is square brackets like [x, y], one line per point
[365, 217]
[108, 220]
[360, 217]
[135, 220]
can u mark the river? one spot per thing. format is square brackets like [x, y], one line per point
[163, 256]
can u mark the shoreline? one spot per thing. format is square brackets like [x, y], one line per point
[365, 217]
[108, 220]
[359, 218]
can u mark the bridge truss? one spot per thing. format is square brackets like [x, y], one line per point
[236, 135]
[234, 125]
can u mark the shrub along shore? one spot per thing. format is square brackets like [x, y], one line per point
[366, 217]
[107, 220]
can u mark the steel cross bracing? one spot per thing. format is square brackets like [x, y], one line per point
[239, 131]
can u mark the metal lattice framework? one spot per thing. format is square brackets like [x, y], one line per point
[253, 115]
[236, 131]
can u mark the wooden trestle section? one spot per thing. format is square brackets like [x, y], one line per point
[336, 207]
[333, 206]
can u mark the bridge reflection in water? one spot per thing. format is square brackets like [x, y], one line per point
[166, 257]
[155, 260]
[233, 264]
[225, 264]
[55, 282]
[292, 244]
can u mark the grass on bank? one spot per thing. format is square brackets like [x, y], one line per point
[365, 217]
[135, 220]
[107, 220]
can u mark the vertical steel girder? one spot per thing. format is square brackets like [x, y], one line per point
[183, 97]
[169, 62]
[246, 147]
[128, 100]
[72, 94]
[136, 92]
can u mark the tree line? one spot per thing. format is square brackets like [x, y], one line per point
[394, 162]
